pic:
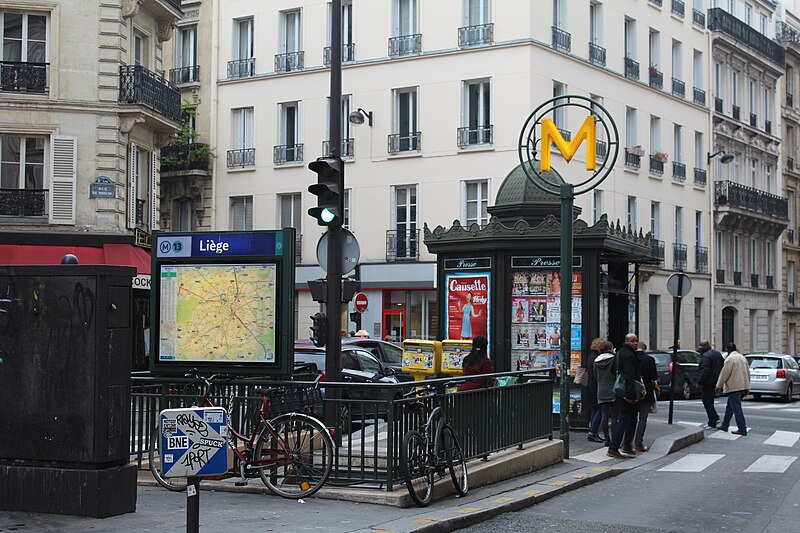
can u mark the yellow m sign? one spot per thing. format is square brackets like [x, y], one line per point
[588, 133]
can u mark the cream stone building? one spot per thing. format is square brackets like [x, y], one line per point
[444, 89]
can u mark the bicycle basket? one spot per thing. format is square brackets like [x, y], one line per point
[293, 400]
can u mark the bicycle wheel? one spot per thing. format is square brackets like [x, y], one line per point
[456, 462]
[154, 457]
[300, 455]
[415, 470]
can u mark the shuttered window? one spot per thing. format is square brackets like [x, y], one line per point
[64, 157]
[242, 213]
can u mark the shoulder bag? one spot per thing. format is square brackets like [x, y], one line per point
[620, 384]
[581, 376]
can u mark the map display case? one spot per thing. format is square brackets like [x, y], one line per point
[223, 302]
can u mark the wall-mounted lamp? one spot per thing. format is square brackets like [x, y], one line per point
[358, 116]
[724, 158]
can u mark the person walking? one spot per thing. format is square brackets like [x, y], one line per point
[647, 369]
[710, 366]
[604, 371]
[595, 415]
[476, 362]
[734, 380]
[627, 405]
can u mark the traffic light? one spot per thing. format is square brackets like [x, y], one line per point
[328, 189]
[319, 329]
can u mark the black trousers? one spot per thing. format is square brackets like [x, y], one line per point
[625, 425]
[708, 403]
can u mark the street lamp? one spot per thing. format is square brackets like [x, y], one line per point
[358, 116]
[725, 158]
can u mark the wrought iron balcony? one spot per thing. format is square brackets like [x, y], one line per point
[656, 165]
[678, 171]
[182, 75]
[720, 275]
[478, 35]
[597, 55]
[405, 142]
[140, 217]
[679, 256]
[478, 135]
[789, 99]
[405, 45]
[790, 235]
[402, 245]
[137, 85]
[658, 3]
[700, 177]
[678, 8]
[698, 18]
[631, 69]
[678, 88]
[289, 62]
[768, 127]
[632, 160]
[565, 134]
[754, 280]
[784, 33]
[790, 163]
[701, 259]
[656, 78]
[23, 202]
[602, 149]
[790, 297]
[348, 54]
[737, 279]
[753, 120]
[562, 40]
[242, 68]
[657, 251]
[748, 198]
[19, 77]
[741, 32]
[770, 281]
[699, 96]
[185, 156]
[736, 112]
[718, 104]
[242, 158]
[347, 148]
[287, 153]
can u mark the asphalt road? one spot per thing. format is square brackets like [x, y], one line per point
[725, 483]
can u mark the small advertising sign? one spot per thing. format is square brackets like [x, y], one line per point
[467, 297]
[193, 441]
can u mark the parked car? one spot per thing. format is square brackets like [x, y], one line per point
[773, 374]
[686, 374]
[388, 353]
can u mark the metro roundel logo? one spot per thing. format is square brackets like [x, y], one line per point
[165, 247]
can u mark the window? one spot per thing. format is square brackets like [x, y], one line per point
[405, 221]
[346, 214]
[698, 68]
[767, 104]
[735, 88]
[718, 84]
[476, 113]
[289, 147]
[654, 313]
[347, 147]
[476, 200]
[24, 37]
[22, 162]
[678, 225]
[754, 173]
[790, 202]
[243, 38]
[476, 12]
[769, 252]
[290, 32]
[560, 114]
[242, 213]
[654, 48]
[405, 17]
[762, 25]
[754, 256]
[596, 23]
[630, 127]
[630, 38]
[242, 128]
[789, 79]
[699, 150]
[737, 260]
[677, 143]
[289, 210]
[655, 134]
[139, 50]
[560, 14]
[347, 26]
[655, 219]
[720, 255]
[698, 228]
[752, 95]
[748, 15]
[600, 133]
[768, 185]
[186, 48]
[633, 213]
[790, 276]
[677, 60]
[182, 219]
[790, 142]
[597, 205]
[698, 320]
[406, 137]
[140, 207]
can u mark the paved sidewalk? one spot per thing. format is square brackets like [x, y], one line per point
[161, 511]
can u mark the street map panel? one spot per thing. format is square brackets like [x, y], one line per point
[218, 313]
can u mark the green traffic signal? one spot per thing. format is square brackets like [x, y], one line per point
[328, 191]
[327, 216]
[319, 329]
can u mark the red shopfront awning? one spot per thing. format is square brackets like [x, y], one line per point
[108, 254]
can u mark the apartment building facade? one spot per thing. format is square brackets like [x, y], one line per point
[442, 94]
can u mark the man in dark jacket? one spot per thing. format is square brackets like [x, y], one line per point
[625, 426]
[710, 366]
[647, 369]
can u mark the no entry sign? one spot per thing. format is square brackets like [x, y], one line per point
[361, 302]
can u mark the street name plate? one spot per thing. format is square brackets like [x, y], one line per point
[193, 441]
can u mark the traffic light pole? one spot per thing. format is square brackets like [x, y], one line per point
[334, 285]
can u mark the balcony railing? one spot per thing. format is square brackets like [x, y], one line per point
[478, 135]
[678, 88]
[657, 251]
[242, 68]
[658, 3]
[678, 8]
[784, 33]
[405, 142]
[405, 45]
[602, 149]
[23, 202]
[718, 104]
[565, 134]
[743, 197]
[656, 165]
[140, 215]
[741, 32]
[597, 55]
[678, 171]
[768, 127]
[754, 280]
[242, 158]
[698, 18]
[770, 281]
[700, 177]
[348, 54]
[701, 259]
[699, 96]
[182, 75]
[790, 297]
[632, 160]
[137, 85]
[736, 112]
[631, 69]
[737, 279]
[753, 120]
[720, 275]
[289, 62]
[790, 235]
[19, 77]
[656, 78]
[789, 99]
[679, 256]
[287, 153]
[184, 156]
[562, 40]
[477, 35]
[402, 245]
[347, 148]
[790, 163]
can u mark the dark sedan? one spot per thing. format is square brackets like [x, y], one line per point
[686, 374]
[387, 353]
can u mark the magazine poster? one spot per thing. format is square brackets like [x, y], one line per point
[553, 283]
[520, 314]
[553, 336]
[554, 309]
[539, 336]
[576, 309]
[575, 337]
[537, 283]
[467, 297]
[522, 337]
[538, 310]
[574, 362]
[575, 402]
[577, 283]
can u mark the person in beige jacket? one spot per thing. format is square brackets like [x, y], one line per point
[734, 380]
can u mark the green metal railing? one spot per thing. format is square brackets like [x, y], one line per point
[369, 432]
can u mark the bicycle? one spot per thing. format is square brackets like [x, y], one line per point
[426, 453]
[292, 453]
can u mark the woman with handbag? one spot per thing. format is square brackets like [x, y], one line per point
[591, 392]
[604, 371]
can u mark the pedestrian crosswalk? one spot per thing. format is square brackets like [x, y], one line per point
[698, 462]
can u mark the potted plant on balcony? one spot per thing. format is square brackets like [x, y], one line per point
[637, 150]
[654, 70]
[185, 152]
[661, 156]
